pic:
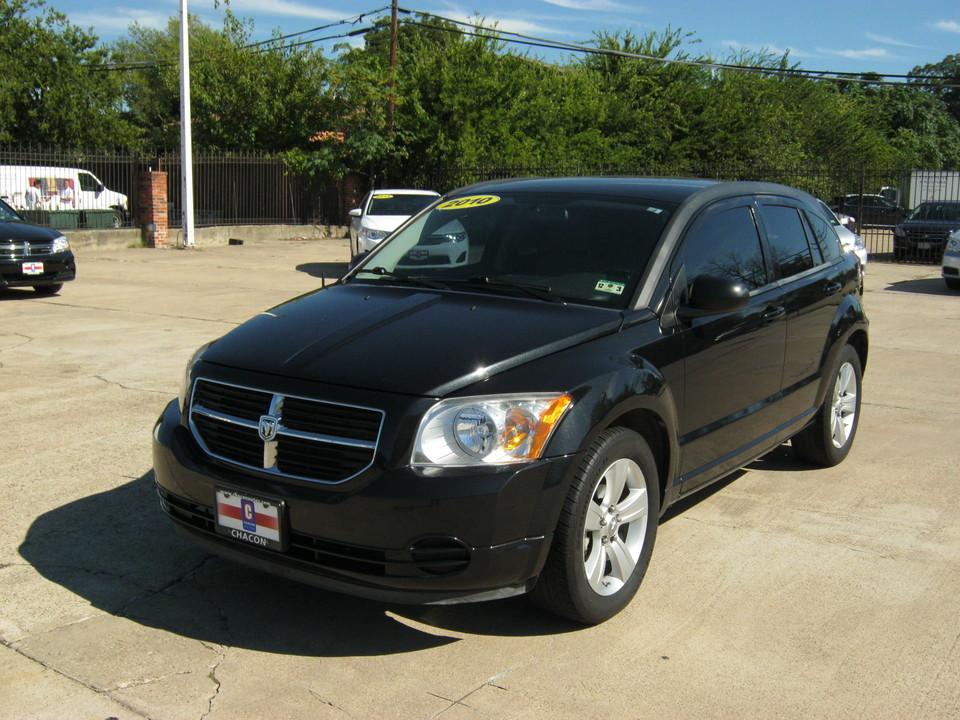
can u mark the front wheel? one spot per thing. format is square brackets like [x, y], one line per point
[606, 531]
[48, 289]
[828, 439]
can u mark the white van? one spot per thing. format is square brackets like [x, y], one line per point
[27, 187]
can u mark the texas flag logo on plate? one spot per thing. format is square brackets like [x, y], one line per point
[249, 519]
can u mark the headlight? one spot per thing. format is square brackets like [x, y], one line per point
[60, 244]
[858, 243]
[953, 244]
[451, 237]
[187, 381]
[490, 430]
[899, 232]
[372, 235]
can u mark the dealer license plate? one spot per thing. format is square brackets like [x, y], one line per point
[32, 268]
[252, 520]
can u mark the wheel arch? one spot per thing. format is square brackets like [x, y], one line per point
[653, 429]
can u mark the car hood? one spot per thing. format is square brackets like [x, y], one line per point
[930, 224]
[405, 340]
[18, 230]
[387, 223]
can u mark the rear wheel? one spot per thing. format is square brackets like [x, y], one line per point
[48, 289]
[952, 283]
[827, 441]
[606, 531]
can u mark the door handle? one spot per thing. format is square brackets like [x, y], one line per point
[834, 288]
[771, 313]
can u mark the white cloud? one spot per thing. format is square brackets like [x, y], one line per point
[766, 49]
[867, 54]
[522, 26]
[119, 20]
[594, 5]
[884, 40]
[948, 25]
[286, 9]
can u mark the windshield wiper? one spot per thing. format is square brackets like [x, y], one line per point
[541, 292]
[383, 274]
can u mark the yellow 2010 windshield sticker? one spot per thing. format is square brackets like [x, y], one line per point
[382, 197]
[471, 201]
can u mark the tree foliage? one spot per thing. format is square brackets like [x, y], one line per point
[639, 103]
[53, 86]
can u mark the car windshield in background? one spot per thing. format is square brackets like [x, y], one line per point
[569, 246]
[407, 204]
[948, 211]
[7, 213]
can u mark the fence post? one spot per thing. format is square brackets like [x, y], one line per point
[154, 227]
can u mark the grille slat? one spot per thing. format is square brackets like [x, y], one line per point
[315, 440]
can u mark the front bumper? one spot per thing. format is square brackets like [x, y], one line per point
[57, 268]
[389, 534]
[950, 266]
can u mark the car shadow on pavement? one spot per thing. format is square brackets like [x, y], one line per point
[118, 551]
[922, 286]
[329, 271]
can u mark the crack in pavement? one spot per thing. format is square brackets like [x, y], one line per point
[128, 387]
[333, 705]
[78, 306]
[76, 680]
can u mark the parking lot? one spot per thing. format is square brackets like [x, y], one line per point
[785, 592]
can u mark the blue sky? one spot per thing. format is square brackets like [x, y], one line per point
[838, 35]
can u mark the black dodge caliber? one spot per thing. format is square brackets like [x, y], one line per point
[424, 431]
[32, 255]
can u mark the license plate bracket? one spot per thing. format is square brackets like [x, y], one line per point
[251, 519]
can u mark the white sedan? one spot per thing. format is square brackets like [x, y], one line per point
[381, 212]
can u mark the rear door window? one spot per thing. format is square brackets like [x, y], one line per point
[788, 240]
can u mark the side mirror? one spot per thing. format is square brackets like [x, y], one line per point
[357, 259]
[356, 212]
[712, 295]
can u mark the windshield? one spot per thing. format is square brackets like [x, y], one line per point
[587, 249]
[936, 211]
[7, 213]
[387, 204]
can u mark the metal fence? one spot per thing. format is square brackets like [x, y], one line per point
[256, 188]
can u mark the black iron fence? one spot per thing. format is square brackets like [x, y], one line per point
[256, 188]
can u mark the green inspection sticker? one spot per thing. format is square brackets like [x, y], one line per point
[609, 286]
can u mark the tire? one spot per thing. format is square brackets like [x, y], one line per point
[952, 283]
[828, 439]
[49, 289]
[606, 531]
[117, 219]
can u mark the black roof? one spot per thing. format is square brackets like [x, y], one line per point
[671, 190]
[666, 190]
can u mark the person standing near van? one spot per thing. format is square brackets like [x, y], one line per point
[66, 194]
[34, 195]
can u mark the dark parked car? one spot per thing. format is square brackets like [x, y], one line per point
[925, 232]
[32, 255]
[869, 209]
[519, 423]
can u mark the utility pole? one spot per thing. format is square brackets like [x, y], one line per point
[391, 101]
[186, 137]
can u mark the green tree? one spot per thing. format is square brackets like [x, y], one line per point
[948, 68]
[265, 98]
[55, 85]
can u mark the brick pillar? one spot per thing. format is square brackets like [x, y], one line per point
[352, 192]
[154, 228]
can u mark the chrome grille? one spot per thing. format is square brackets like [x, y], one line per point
[14, 249]
[284, 435]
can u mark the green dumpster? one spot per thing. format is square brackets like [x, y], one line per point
[98, 219]
[65, 219]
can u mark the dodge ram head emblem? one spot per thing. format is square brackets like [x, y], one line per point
[268, 427]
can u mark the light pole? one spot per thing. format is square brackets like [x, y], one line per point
[186, 139]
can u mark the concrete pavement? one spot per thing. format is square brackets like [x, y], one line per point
[786, 592]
